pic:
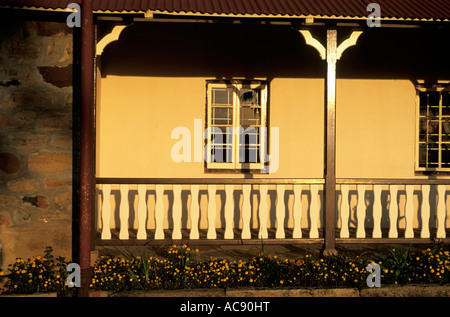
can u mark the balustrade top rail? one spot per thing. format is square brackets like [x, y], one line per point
[393, 181]
[256, 181]
[217, 181]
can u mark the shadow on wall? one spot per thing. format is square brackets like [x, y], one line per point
[253, 50]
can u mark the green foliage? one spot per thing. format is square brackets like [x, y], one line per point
[180, 269]
[36, 274]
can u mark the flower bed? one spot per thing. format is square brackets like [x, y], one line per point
[179, 269]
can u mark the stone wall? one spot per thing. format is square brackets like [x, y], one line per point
[36, 175]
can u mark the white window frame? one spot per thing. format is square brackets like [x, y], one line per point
[429, 88]
[235, 165]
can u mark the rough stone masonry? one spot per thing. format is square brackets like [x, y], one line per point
[36, 133]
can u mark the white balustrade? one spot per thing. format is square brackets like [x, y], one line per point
[297, 212]
[106, 212]
[431, 203]
[376, 211]
[425, 231]
[263, 212]
[314, 212]
[124, 212]
[280, 212]
[393, 212]
[211, 212]
[361, 212]
[229, 233]
[142, 212]
[345, 212]
[195, 212]
[441, 212]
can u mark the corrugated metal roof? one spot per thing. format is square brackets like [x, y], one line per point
[395, 9]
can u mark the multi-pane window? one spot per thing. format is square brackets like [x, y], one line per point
[236, 125]
[434, 129]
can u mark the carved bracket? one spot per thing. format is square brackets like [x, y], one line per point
[310, 40]
[109, 38]
[347, 43]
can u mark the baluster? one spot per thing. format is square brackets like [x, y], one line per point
[211, 234]
[440, 234]
[376, 211]
[280, 212]
[393, 212]
[195, 212]
[124, 212]
[142, 212]
[409, 211]
[159, 212]
[176, 212]
[425, 230]
[345, 211]
[361, 212]
[246, 211]
[297, 212]
[314, 211]
[229, 189]
[106, 212]
[263, 212]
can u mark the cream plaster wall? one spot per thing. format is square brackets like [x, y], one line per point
[136, 116]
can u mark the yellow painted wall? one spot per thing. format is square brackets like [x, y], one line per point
[136, 117]
[375, 128]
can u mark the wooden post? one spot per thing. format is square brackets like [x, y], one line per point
[330, 143]
[332, 52]
[86, 140]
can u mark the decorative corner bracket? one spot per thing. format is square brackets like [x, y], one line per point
[310, 40]
[109, 38]
[347, 43]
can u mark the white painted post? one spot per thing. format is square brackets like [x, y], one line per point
[440, 234]
[297, 212]
[106, 212]
[409, 211]
[376, 211]
[159, 212]
[211, 234]
[345, 211]
[246, 211]
[314, 211]
[124, 212]
[176, 212]
[195, 212]
[361, 212]
[229, 199]
[142, 212]
[263, 212]
[393, 211]
[425, 230]
[280, 212]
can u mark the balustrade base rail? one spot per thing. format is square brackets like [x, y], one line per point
[203, 240]
[220, 240]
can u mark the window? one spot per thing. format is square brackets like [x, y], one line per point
[236, 125]
[433, 128]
